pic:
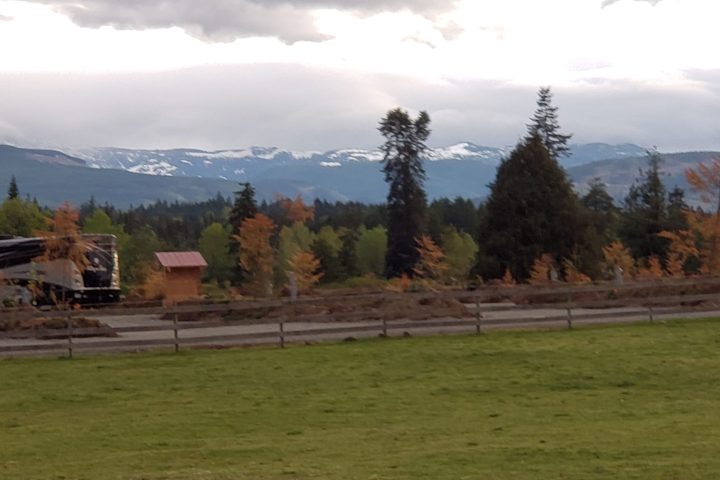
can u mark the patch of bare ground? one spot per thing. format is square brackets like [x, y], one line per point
[54, 328]
[344, 310]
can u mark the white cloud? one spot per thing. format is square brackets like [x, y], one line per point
[226, 20]
[302, 108]
[600, 58]
[523, 41]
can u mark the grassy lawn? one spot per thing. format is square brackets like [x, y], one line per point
[626, 402]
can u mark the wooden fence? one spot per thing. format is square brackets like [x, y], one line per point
[293, 326]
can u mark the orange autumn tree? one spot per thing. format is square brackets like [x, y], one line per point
[618, 255]
[572, 274]
[651, 270]
[256, 256]
[682, 247]
[705, 181]
[508, 280]
[64, 250]
[540, 273]
[306, 269]
[296, 210]
[431, 264]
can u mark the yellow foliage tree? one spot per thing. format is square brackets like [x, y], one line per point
[651, 270]
[705, 180]
[431, 264]
[63, 242]
[540, 273]
[705, 227]
[296, 210]
[617, 255]
[572, 274]
[256, 255]
[682, 246]
[306, 269]
[154, 286]
[508, 280]
[399, 285]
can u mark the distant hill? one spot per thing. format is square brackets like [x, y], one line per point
[53, 177]
[464, 169]
[619, 174]
[123, 177]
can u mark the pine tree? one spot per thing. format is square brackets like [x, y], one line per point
[602, 210]
[329, 262]
[244, 207]
[347, 256]
[404, 172]
[13, 191]
[645, 212]
[544, 123]
[531, 210]
[676, 210]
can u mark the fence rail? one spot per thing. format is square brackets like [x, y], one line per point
[293, 325]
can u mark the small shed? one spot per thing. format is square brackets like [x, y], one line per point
[183, 274]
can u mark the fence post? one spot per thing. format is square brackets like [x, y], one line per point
[384, 327]
[650, 313]
[282, 334]
[70, 336]
[175, 333]
[478, 317]
[569, 319]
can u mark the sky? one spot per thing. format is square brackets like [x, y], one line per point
[320, 74]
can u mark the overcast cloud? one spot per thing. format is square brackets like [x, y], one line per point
[226, 20]
[610, 2]
[226, 107]
[640, 71]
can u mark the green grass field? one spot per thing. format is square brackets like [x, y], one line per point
[638, 401]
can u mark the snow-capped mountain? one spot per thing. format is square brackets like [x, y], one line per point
[246, 164]
[464, 169]
[123, 176]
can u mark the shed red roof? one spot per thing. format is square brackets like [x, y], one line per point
[181, 259]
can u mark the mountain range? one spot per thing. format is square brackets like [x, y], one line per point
[125, 177]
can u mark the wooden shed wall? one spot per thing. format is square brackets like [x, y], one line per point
[183, 283]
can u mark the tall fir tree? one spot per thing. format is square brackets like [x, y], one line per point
[243, 207]
[645, 212]
[404, 172]
[677, 208]
[13, 192]
[604, 215]
[544, 123]
[532, 210]
[347, 256]
[329, 262]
